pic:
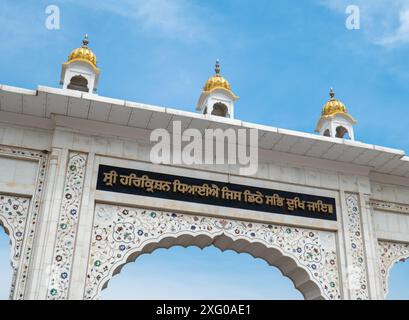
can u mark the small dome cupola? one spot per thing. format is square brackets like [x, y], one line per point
[335, 120]
[217, 98]
[80, 72]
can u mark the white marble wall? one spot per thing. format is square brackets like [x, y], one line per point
[390, 193]
[17, 176]
[391, 226]
[129, 147]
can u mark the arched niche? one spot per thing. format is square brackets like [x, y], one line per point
[178, 272]
[121, 234]
[389, 254]
[78, 83]
[342, 132]
[220, 110]
[288, 267]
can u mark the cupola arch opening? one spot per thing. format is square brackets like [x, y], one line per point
[220, 110]
[79, 83]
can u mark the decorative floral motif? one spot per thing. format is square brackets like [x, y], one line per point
[357, 271]
[312, 253]
[67, 226]
[26, 246]
[124, 232]
[389, 254]
[119, 233]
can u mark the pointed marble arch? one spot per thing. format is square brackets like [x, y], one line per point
[13, 217]
[389, 254]
[121, 234]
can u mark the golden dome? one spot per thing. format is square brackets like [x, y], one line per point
[217, 82]
[333, 106]
[83, 54]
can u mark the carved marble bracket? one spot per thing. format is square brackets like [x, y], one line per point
[13, 216]
[389, 254]
[20, 216]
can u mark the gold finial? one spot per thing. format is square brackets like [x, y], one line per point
[218, 82]
[217, 69]
[83, 53]
[333, 106]
[85, 41]
[332, 93]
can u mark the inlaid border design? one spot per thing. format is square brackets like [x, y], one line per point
[389, 206]
[120, 233]
[67, 227]
[357, 272]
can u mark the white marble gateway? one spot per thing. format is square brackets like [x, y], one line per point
[69, 238]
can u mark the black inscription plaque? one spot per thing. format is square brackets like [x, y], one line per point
[165, 186]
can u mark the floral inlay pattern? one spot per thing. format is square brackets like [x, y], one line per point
[120, 232]
[67, 226]
[20, 276]
[389, 254]
[13, 215]
[357, 271]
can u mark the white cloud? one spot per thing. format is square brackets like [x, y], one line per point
[176, 19]
[384, 22]
[401, 34]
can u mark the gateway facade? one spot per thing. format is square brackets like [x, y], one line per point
[80, 196]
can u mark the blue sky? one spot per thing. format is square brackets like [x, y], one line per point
[281, 57]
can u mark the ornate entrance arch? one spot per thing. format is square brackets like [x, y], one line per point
[70, 247]
[121, 234]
